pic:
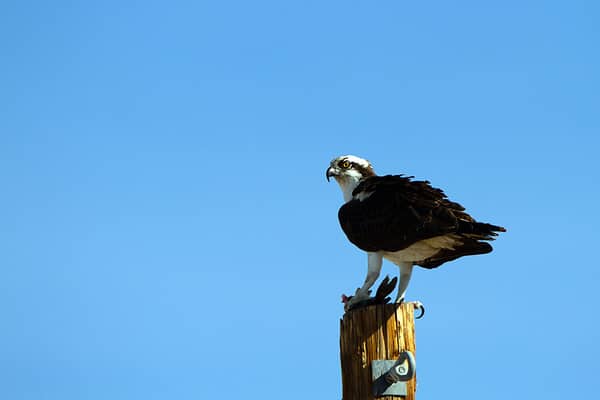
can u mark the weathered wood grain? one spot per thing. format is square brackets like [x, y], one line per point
[376, 332]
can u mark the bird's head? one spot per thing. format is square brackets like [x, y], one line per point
[349, 168]
[348, 171]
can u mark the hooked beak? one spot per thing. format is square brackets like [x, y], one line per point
[331, 171]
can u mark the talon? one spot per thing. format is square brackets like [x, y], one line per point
[419, 306]
[360, 298]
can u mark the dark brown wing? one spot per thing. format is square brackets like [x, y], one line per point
[400, 212]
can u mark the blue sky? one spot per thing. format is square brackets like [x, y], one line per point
[167, 230]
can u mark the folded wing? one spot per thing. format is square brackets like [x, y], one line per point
[396, 212]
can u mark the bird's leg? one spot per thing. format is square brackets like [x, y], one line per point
[405, 273]
[374, 268]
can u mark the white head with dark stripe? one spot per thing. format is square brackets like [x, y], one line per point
[348, 171]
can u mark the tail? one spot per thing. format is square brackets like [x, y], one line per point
[474, 237]
[479, 230]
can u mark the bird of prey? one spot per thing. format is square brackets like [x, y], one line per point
[403, 220]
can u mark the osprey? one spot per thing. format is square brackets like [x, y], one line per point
[405, 221]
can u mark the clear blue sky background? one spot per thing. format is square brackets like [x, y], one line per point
[167, 231]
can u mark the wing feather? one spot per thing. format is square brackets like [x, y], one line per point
[400, 211]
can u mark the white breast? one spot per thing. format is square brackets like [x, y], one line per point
[423, 249]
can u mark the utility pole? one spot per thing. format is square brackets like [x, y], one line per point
[377, 348]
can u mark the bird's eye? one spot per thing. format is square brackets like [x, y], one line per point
[345, 164]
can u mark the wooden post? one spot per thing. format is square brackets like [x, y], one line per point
[376, 332]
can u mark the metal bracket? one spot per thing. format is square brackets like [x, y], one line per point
[389, 376]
